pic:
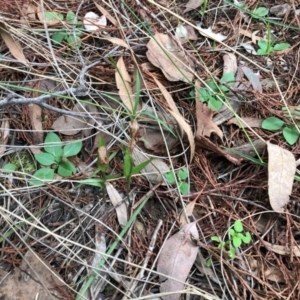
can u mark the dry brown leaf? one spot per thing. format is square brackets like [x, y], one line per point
[274, 274]
[283, 250]
[69, 125]
[105, 13]
[116, 41]
[176, 260]
[155, 170]
[205, 144]
[13, 45]
[192, 4]
[187, 212]
[247, 149]
[184, 33]
[118, 203]
[183, 125]
[4, 135]
[205, 125]
[123, 82]
[246, 122]
[281, 171]
[230, 64]
[165, 54]
[250, 35]
[34, 279]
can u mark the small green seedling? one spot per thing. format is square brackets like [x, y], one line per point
[68, 35]
[260, 12]
[289, 131]
[267, 47]
[235, 239]
[182, 176]
[56, 156]
[215, 95]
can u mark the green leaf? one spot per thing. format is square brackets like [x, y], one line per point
[247, 238]
[98, 182]
[291, 135]
[263, 45]
[128, 161]
[9, 167]
[228, 78]
[214, 104]
[281, 46]
[184, 188]
[215, 239]
[272, 123]
[209, 262]
[43, 174]
[231, 232]
[66, 168]
[71, 17]
[58, 37]
[212, 84]
[137, 169]
[53, 16]
[73, 41]
[204, 95]
[101, 142]
[170, 177]
[45, 159]
[183, 173]
[236, 241]
[238, 226]
[260, 12]
[262, 52]
[231, 252]
[72, 149]
[53, 145]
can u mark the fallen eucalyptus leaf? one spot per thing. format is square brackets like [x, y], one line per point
[176, 260]
[281, 171]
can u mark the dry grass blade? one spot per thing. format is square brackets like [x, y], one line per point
[184, 126]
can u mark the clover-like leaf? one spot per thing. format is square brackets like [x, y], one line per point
[58, 37]
[238, 226]
[214, 103]
[247, 238]
[281, 46]
[184, 188]
[260, 12]
[183, 173]
[236, 241]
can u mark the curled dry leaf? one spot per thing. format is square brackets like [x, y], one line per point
[176, 260]
[192, 4]
[93, 22]
[184, 126]
[123, 82]
[283, 250]
[187, 212]
[118, 203]
[116, 41]
[12, 44]
[281, 171]
[205, 125]
[253, 78]
[164, 53]
[69, 125]
[155, 170]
